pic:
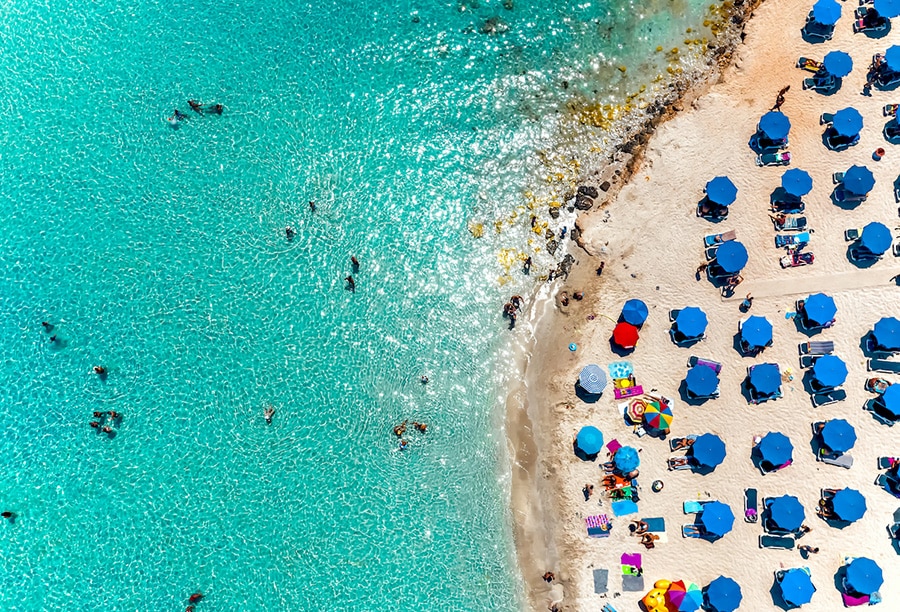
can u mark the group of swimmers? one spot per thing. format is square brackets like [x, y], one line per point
[400, 430]
[201, 109]
[354, 267]
[512, 308]
[193, 599]
[106, 421]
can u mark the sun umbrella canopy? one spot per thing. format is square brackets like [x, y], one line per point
[592, 379]
[684, 597]
[838, 435]
[708, 450]
[820, 309]
[775, 125]
[701, 381]
[732, 256]
[847, 122]
[625, 335]
[765, 378]
[826, 12]
[658, 416]
[626, 459]
[849, 504]
[887, 8]
[796, 182]
[864, 576]
[797, 587]
[635, 312]
[830, 370]
[721, 190]
[691, 322]
[775, 448]
[887, 333]
[756, 331]
[859, 180]
[838, 63]
[892, 56]
[589, 440]
[717, 518]
[787, 512]
[890, 400]
[876, 238]
[724, 594]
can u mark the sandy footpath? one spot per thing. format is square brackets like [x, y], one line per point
[651, 241]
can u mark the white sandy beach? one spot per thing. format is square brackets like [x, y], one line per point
[652, 242]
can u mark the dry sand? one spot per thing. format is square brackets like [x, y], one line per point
[651, 241]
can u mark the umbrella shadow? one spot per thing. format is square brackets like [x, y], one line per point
[838, 577]
[702, 470]
[892, 126]
[815, 33]
[745, 390]
[736, 345]
[861, 263]
[878, 33]
[801, 327]
[583, 455]
[846, 204]
[584, 396]
[837, 523]
[681, 341]
[618, 350]
[834, 142]
[777, 599]
[759, 145]
[688, 398]
[829, 91]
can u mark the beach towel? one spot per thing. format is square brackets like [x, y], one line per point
[624, 507]
[692, 506]
[601, 581]
[631, 559]
[656, 524]
[632, 583]
[620, 369]
[598, 526]
[607, 608]
[628, 392]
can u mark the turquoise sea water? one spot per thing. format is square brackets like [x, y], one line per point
[160, 254]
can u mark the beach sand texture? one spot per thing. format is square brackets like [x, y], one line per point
[651, 241]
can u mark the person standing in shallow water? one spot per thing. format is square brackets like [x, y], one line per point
[351, 284]
[354, 263]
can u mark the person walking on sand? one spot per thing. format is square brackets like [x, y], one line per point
[780, 99]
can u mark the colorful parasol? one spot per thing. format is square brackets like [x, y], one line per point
[658, 417]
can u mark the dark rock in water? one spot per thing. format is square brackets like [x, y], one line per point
[588, 190]
[565, 266]
[554, 212]
[582, 202]
[549, 234]
[508, 5]
[575, 234]
[415, 18]
[552, 246]
[604, 186]
[494, 25]
[568, 195]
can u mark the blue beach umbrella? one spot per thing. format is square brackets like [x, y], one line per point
[775, 125]
[887, 333]
[797, 587]
[847, 122]
[849, 505]
[635, 312]
[826, 12]
[717, 518]
[756, 331]
[786, 512]
[775, 448]
[708, 450]
[830, 370]
[838, 435]
[887, 8]
[724, 594]
[627, 459]
[890, 400]
[732, 256]
[701, 380]
[892, 58]
[838, 63]
[691, 321]
[721, 190]
[859, 180]
[589, 440]
[876, 238]
[765, 378]
[796, 182]
[820, 309]
[592, 379]
[864, 576]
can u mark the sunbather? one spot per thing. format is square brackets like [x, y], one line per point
[682, 443]
[678, 462]
[649, 540]
[639, 527]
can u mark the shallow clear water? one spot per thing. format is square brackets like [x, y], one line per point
[160, 254]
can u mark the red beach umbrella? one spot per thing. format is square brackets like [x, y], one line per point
[625, 335]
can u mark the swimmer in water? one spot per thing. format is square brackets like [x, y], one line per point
[215, 109]
[99, 370]
[267, 413]
[196, 597]
[351, 284]
[420, 426]
[400, 429]
[195, 106]
[354, 262]
[403, 444]
[289, 233]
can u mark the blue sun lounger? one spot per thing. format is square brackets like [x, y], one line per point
[751, 511]
[774, 159]
[783, 542]
[883, 365]
[783, 240]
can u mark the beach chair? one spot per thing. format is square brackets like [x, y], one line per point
[883, 365]
[690, 530]
[826, 83]
[751, 513]
[837, 178]
[773, 541]
[890, 110]
[791, 224]
[678, 463]
[716, 239]
[828, 119]
[852, 234]
[861, 255]
[774, 159]
[783, 240]
[675, 444]
[816, 347]
[608, 608]
[804, 63]
[896, 249]
[713, 365]
[886, 463]
[814, 31]
[692, 506]
[844, 460]
[796, 260]
[874, 350]
[788, 207]
[808, 361]
[828, 397]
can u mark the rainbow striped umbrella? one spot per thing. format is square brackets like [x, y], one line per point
[658, 416]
